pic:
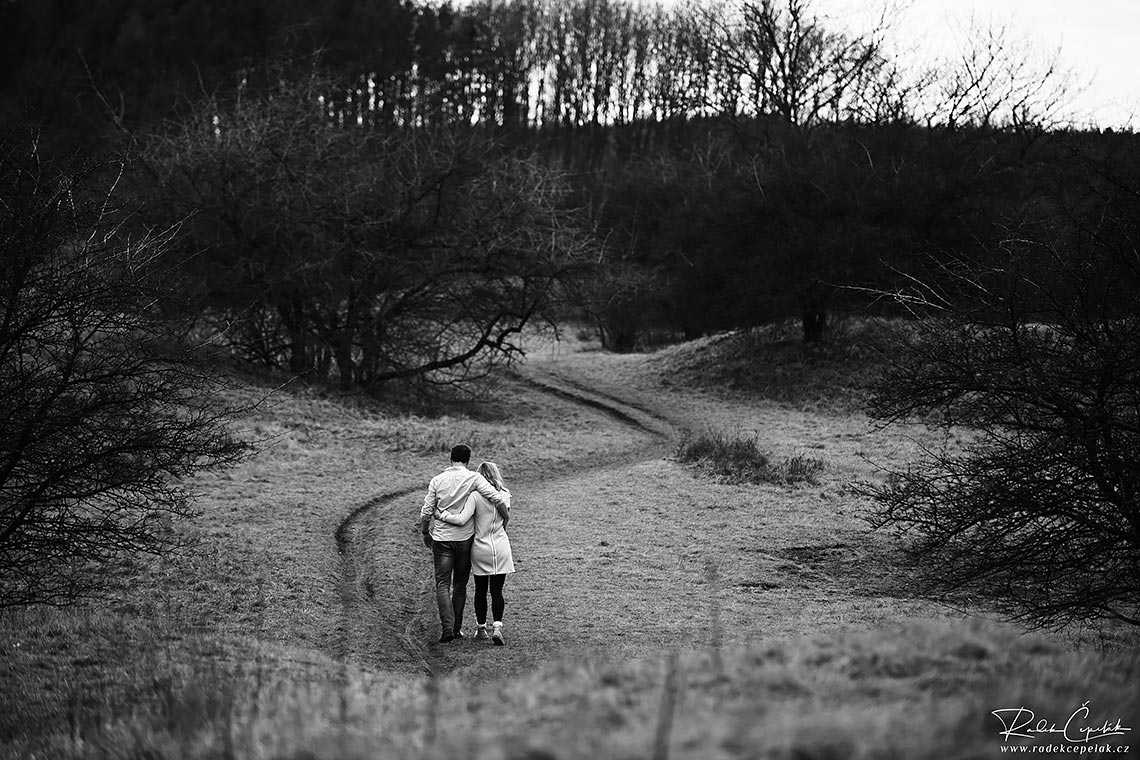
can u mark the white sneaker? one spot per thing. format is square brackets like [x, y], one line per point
[497, 634]
[481, 632]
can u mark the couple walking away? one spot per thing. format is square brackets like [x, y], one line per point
[464, 520]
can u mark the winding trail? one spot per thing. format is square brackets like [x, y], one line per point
[388, 625]
[623, 555]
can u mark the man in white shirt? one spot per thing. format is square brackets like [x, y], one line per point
[451, 544]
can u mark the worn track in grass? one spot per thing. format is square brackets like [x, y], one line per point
[387, 612]
[367, 609]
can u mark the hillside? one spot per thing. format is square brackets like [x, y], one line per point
[656, 612]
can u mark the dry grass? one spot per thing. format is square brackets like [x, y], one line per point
[920, 690]
[796, 634]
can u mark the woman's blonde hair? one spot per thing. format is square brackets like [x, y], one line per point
[490, 471]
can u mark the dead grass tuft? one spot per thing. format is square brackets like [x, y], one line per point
[738, 459]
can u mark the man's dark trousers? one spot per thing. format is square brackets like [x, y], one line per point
[452, 571]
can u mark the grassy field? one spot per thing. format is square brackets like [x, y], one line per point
[659, 609]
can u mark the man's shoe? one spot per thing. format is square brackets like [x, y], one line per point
[497, 636]
[481, 632]
[459, 635]
[447, 638]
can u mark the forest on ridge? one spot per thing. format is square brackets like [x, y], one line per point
[690, 169]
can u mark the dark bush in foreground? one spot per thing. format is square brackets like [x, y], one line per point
[740, 460]
[102, 414]
[1034, 351]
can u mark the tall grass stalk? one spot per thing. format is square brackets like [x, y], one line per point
[716, 627]
[669, 697]
[431, 728]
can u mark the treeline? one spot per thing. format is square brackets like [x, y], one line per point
[702, 167]
[517, 63]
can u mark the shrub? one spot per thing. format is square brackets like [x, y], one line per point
[739, 460]
[1033, 350]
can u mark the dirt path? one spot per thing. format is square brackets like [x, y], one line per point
[387, 616]
[622, 554]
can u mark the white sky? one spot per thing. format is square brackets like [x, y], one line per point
[1098, 40]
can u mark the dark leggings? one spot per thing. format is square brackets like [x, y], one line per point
[497, 603]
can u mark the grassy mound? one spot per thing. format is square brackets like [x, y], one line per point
[772, 361]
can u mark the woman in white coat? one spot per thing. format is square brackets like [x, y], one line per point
[491, 559]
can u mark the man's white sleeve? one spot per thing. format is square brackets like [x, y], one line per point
[430, 500]
[488, 490]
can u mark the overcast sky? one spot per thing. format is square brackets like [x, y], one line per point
[1098, 39]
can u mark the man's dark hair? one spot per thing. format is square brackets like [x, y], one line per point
[461, 453]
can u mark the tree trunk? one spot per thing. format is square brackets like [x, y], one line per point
[292, 318]
[814, 322]
[346, 367]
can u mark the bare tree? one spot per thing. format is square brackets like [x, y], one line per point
[791, 65]
[994, 81]
[103, 415]
[367, 256]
